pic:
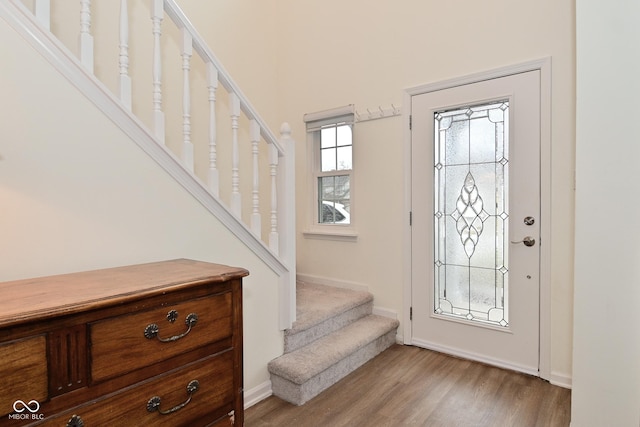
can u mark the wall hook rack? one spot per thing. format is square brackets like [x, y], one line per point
[379, 113]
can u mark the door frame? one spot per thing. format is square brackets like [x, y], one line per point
[544, 66]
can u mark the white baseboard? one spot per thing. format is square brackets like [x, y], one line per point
[320, 280]
[560, 379]
[257, 394]
[476, 357]
[385, 312]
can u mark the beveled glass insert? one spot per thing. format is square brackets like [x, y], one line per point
[471, 148]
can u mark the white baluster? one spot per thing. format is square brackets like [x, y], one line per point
[236, 199]
[254, 132]
[42, 10]
[86, 39]
[212, 84]
[274, 242]
[187, 146]
[125, 80]
[157, 15]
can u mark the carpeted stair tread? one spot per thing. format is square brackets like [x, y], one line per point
[303, 364]
[317, 303]
[335, 333]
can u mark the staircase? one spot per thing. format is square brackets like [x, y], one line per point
[228, 160]
[335, 333]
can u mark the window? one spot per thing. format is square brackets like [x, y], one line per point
[330, 134]
[334, 176]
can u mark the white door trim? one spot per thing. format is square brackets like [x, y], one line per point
[544, 65]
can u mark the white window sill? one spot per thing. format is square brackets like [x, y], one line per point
[340, 234]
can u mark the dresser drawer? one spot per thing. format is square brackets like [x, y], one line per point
[23, 373]
[134, 341]
[212, 399]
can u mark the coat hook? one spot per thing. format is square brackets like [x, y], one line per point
[380, 113]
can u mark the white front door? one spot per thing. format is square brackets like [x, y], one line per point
[476, 220]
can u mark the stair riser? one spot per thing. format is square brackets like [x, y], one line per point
[300, 339]
[298, 394]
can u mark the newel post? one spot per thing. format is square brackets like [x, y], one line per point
[285, 205]
[287, 224]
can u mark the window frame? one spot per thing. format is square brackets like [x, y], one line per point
[314, 123]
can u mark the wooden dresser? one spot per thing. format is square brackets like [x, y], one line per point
[155, 344]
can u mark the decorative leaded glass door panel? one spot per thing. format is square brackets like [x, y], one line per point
[475, 233]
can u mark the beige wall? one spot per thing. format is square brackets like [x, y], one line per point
[77, 194]
[335, 53]
[242, 35]
[607, 288]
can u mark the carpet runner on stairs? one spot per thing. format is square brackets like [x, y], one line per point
[334, 335]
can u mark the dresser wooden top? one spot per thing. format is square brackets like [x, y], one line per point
[45, 297]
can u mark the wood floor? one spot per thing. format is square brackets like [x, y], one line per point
[411, 386]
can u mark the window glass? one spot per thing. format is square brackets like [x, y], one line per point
[331, 133]
[334, 199]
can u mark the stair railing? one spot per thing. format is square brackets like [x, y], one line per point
[253, 151]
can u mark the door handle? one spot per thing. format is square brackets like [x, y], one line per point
[528, 241]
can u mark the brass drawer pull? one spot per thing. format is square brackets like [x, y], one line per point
[152, 329]
[75, 421]
[154, 403]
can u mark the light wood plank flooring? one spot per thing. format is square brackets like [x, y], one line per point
[411, 386]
